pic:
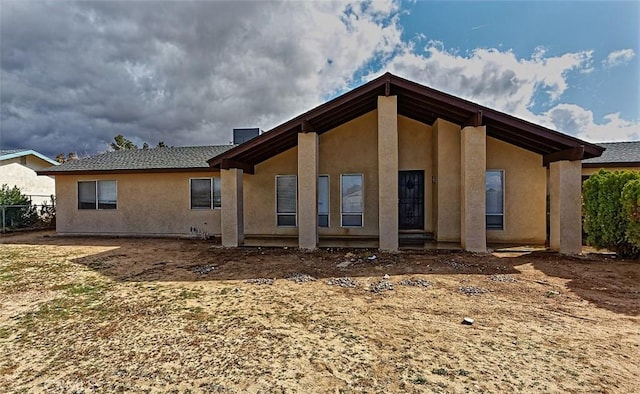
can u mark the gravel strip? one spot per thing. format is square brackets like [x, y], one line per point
[343, 282]
[456, 265]
[379, 287]
[502, 278]
[415, 282]
[299, 277]
[204, 269]
[472, 290]
[260, 281]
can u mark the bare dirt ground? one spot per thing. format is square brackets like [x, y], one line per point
[157, 315]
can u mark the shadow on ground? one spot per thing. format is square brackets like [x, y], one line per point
[600, 279]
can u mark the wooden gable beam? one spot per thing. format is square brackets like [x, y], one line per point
[306, 127]
[571, 154]
[227, 164]
[474, 120]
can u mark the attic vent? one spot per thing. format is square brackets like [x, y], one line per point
[243, 135]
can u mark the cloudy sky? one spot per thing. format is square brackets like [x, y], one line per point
[75, 74]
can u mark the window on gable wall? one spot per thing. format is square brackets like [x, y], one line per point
[323, 201]
[352, 206]
[286, 200]
[495, 199]
[205, 193]
[97, 195]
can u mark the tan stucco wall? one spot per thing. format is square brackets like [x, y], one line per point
[591, 171]
[446, 190]
[148, 204]
[348, 149]
[40, 188]
[525, 193]
[565, 233]
[415, 150]
[472, 186]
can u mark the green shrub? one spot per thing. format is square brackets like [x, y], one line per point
[631, 209]
[607, 223]
[19, 212]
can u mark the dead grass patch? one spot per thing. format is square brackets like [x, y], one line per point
[119, 315]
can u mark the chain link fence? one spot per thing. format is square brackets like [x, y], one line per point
[29, 216]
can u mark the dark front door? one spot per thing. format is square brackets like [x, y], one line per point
[411, 200]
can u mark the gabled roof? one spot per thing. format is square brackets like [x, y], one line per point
[6, 154]
[180, 159]
[617, 154]
[417, 102]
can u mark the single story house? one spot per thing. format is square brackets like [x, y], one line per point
[387, 161]
[617, 156]
[18, 168]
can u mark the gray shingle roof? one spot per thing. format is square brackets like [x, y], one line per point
[6, 154]
[9, 151]
[176, 158]
[617, 152]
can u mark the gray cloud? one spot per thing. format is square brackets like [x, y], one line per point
[75, 74]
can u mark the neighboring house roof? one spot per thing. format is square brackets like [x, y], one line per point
[617, 154]
[174, 159]
[14, 153]
[417, 102]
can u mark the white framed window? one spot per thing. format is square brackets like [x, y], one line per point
[352, 204]
[97, 195]
[323, 201]
[286, 200]
[495, 199]
[204, 193]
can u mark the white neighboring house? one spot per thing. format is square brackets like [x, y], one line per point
[18, 168]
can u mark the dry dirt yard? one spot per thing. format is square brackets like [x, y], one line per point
[157, 315]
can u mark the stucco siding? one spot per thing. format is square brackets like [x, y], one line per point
[260, 195]
[524, 196]
[415, 151]
[148, 204]
[446, 155]
[12, 173]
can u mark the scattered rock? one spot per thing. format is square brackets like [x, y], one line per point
[472, 290]
[343, 282]
[456, 265]
[379, 287]
[260, 281]
[204, 269]
[415, 282]
[502, 278]
[467, 321]
[386, 277]
[350, 255]
[552, 293]
[344, 264]
[299, 277]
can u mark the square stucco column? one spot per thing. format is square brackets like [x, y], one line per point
[307, 191]
[565, 189]
[232, 210]
[388, 172]
[473, 162]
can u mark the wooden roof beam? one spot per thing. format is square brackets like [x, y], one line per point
[474, 120]
[227, 164]
[571, 154]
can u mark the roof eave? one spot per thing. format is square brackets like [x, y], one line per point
[55, 172]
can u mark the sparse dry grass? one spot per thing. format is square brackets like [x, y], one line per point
[123, 315]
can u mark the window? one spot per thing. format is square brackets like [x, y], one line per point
[286, 200]
[97, 195]
[323, 201]
[352, 200]
[495, 199]
[205, 193]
